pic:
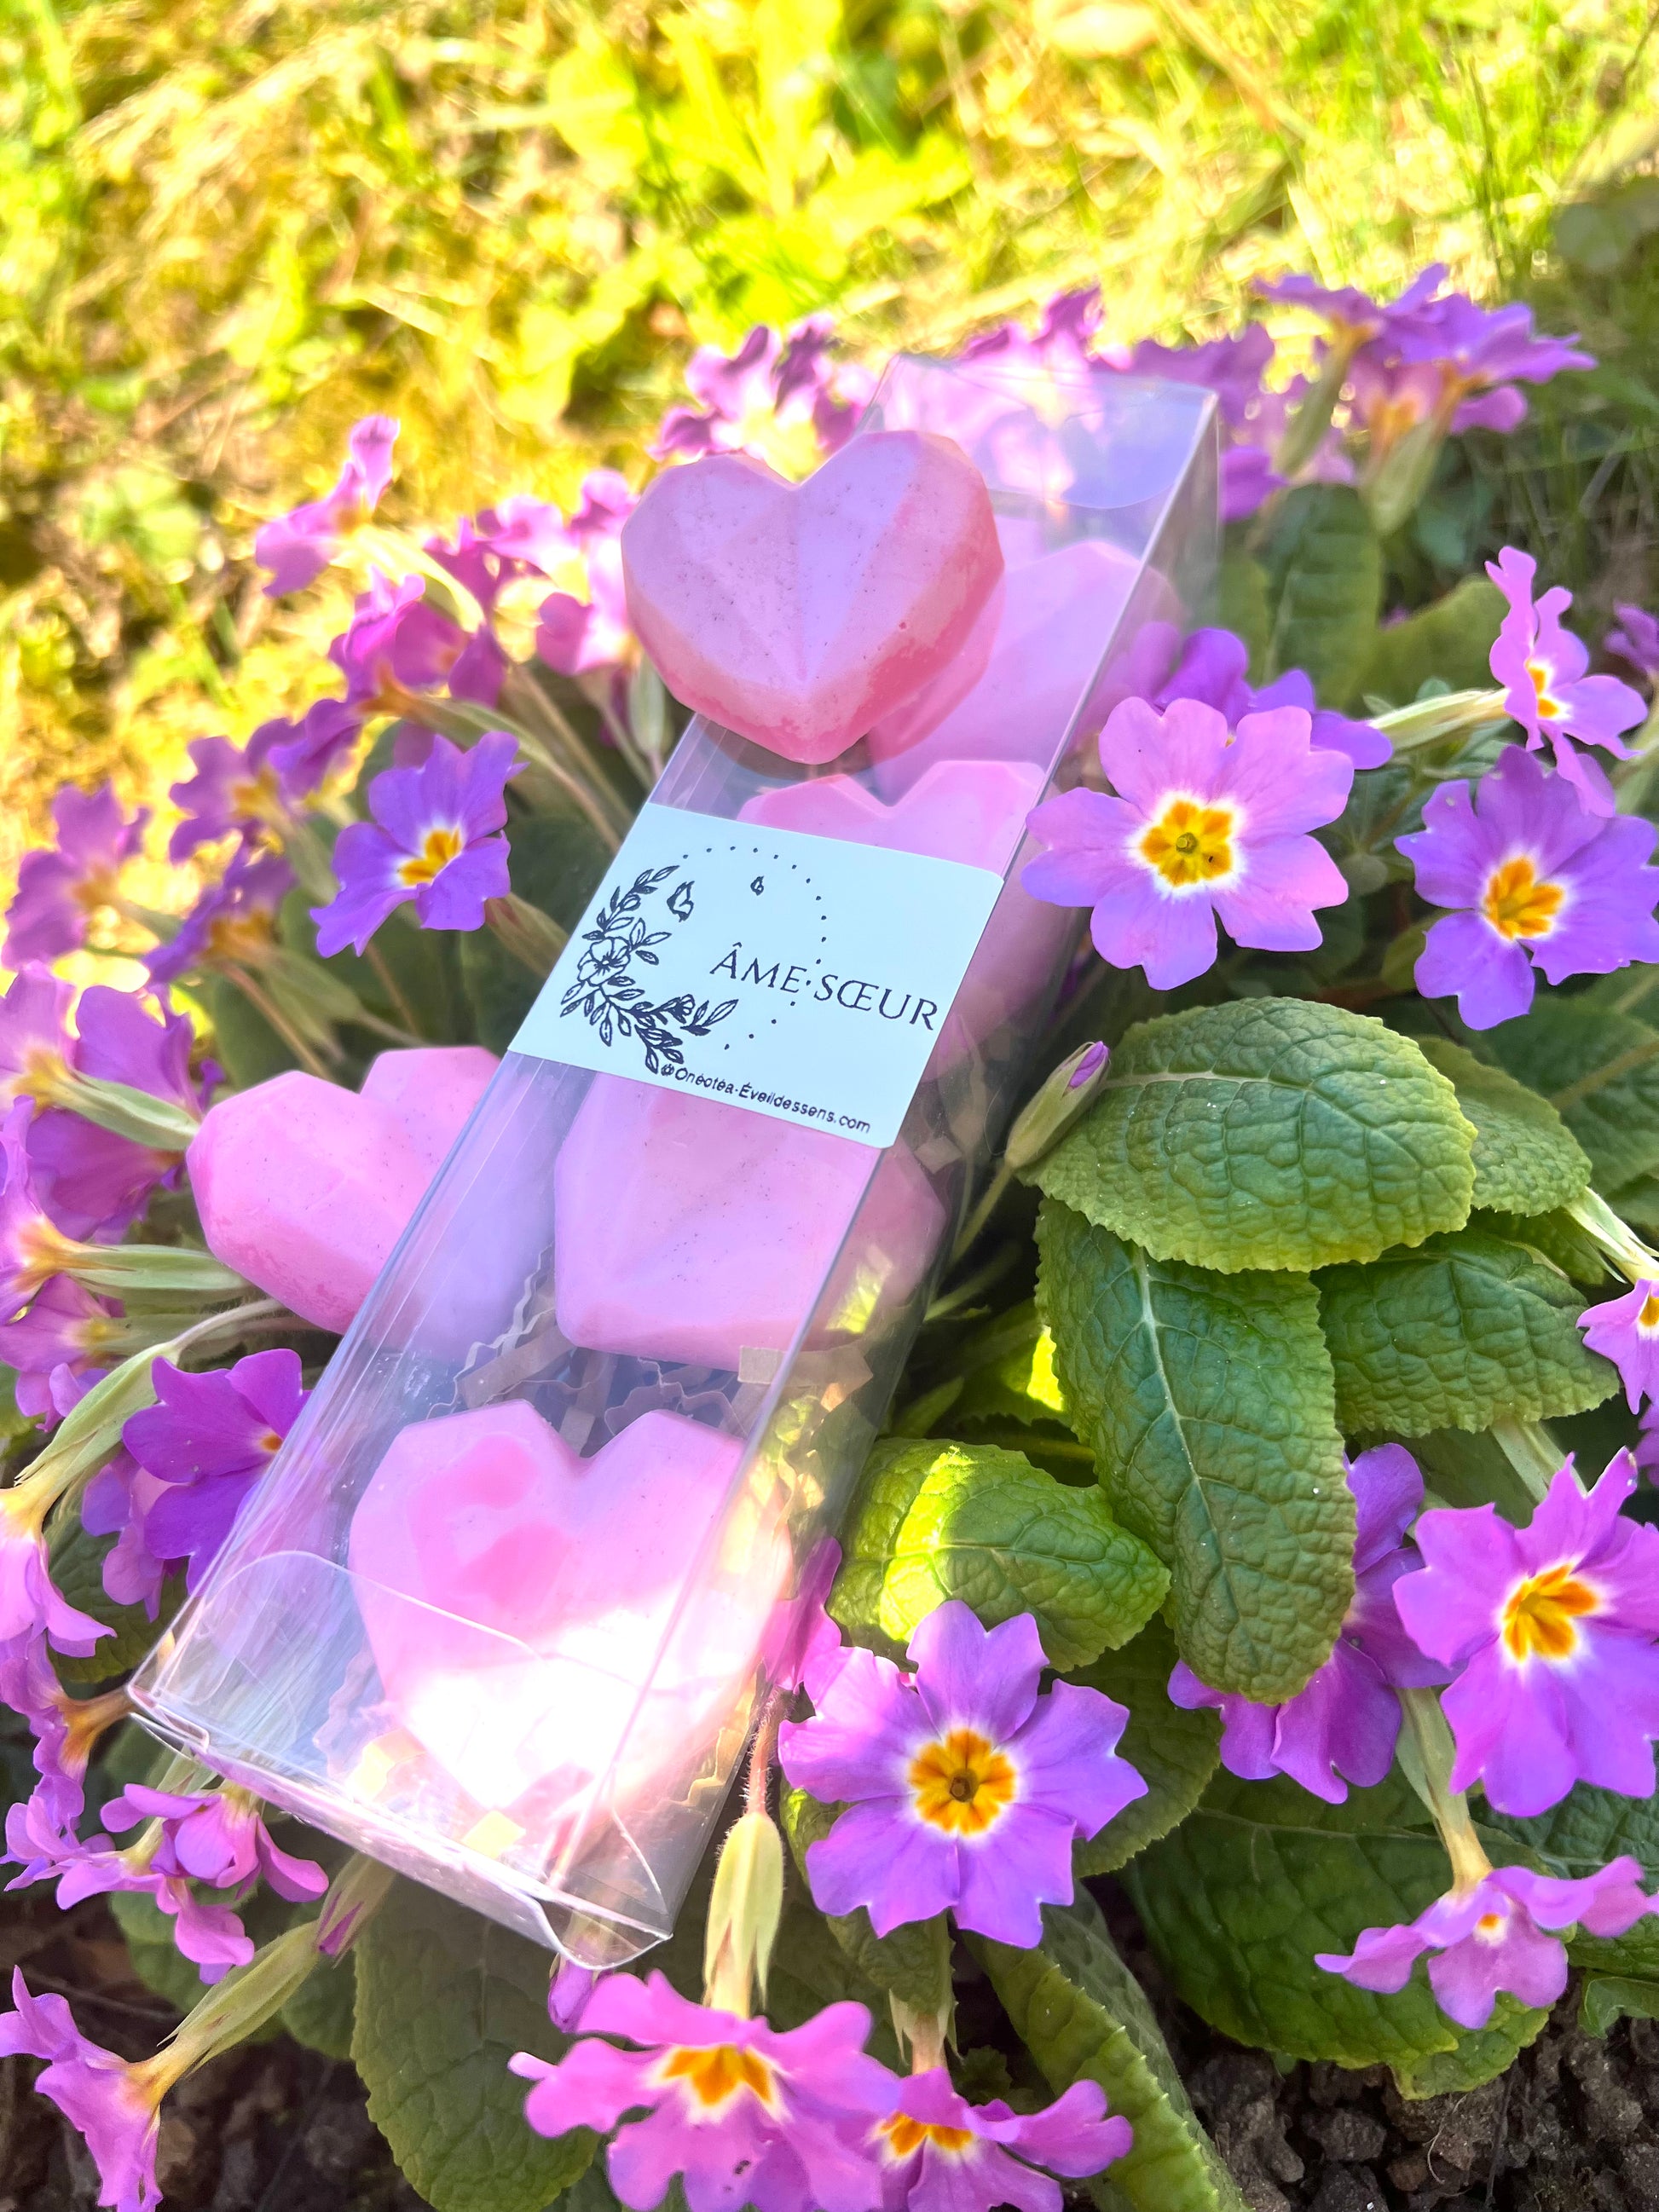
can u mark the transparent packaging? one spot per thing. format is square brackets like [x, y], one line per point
[505, 1609]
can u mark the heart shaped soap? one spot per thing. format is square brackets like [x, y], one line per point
[798, 614]
[516, 1596]
[686, 1229]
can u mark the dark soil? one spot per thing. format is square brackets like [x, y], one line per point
[1573, 2127]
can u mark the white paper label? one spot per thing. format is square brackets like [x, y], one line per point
[803, 977]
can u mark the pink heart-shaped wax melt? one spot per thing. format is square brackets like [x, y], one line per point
[516, 1596]
[1058, 615]
[688, 1230]
[431, 1089]
[798, 614]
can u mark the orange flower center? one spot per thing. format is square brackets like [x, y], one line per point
[1549, 707]
[1190, 844]
[1648, 1320]
[1538, 1614]
[241, 937]
[961, 1783]
[904, 2136]
[439, 848]
[1520, 902]
[1489, 1926]
[715, 2073]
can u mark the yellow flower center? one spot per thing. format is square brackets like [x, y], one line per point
[1520, 902]
[439, 848]
[1490, 1926]
[258, 798]
[1538, 1614]
[1549, 706]
[1190, 844]
[241, 937]
[44, 1077]
[1648, 1320]
[904, 2136]
[961, 1783]
[40, 1251]
[715, 2073]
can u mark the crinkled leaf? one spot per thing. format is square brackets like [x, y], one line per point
[1267, 1132]
[1610, 1997]
[1242, 605]
[1555, 1236]
[77, 1568]
[1579, 1836]
[1084, 2017]
[323, 2009]
[1174, 1753]
[444, 1999]
[156, 1959]
[1600, 1070]
[1463, 1331]
[1242, 1895]
[1008, 1371]
[1449, 642]
[1324, 570]
[1207, 1401]
[935, 1521]
[1525, 1158]
[913, 1962]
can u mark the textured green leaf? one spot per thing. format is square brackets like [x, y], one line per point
[323, 2009]
[1525, 1158]
[1174, 1753]
[1461, 1332]
[444, 1999]
[811, 1969]
[1242, 1895]
[1242, 605]
[1268, 1132]
[77, 1568]
[1084, 2017]
[156, 1959]
[1610, 1997]
[913, 1962]
[1554, 1237]
[557, 862]
[1579, 1836]
[1448, 642]
[1602, 1071]
[1008, 1371]
[935, 1521]
[1324, 569]
[1638, 1202]
[1207, 1401]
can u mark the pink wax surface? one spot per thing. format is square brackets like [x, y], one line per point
[799, 615]
[689, 1230]
[972, 811]
[517, 1597]
[305, 1188]
[1058, 614]
[430, 1089]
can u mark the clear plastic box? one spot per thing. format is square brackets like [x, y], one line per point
[447, 1630]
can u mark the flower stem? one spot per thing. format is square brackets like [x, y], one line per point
[378, 963]
[1613, 1234]
[264, 1005]
[1531, 1452]
[1425, 1755]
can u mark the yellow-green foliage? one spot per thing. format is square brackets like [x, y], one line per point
[227, 228]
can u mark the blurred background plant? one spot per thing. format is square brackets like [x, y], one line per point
[228, 232]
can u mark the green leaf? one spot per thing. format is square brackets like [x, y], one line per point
[809, 1970]
[1450, 641]
[1207, 1401]
[1525, 1158]
[1324, 568]
[1638, 1202]
[557, 862]
[1008, 1371]
[1174, 1753]
[1270, 1132]
[1610, 1997]
[244, 1043]
[321, 2012]
[936, 1521]
[912, 1963]
[1084, 2017]
[77, 1569]
[1554, 1237]
[1462, 1331]
[155, 1957]
[1242, 605]
[1578, 1837]
[444, 1999]
[1242, 1895]
[1600, 1070]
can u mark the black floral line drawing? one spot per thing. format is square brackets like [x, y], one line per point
[605, 990]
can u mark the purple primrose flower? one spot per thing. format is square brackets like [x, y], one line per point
[112, 2104]
[65, 1326]
[1212, 669]
[1541, 668]
[1355, 319]
[1636, 638]
[207, 1440]
[1345, 1721]
[60, 886]
[743, 2113]
[1626, 1330]
[965, 1788]
[1208, 823]
[1491, 1936]
[432, 841]
[938, 2153]
[400, 644]
[1553, 1626]
[1481, 354]
[297, 546]
[1534, 881]
[232, 925]
[214, 1836]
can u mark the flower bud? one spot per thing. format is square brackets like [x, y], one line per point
[744, 1912]
[1062, 1099]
